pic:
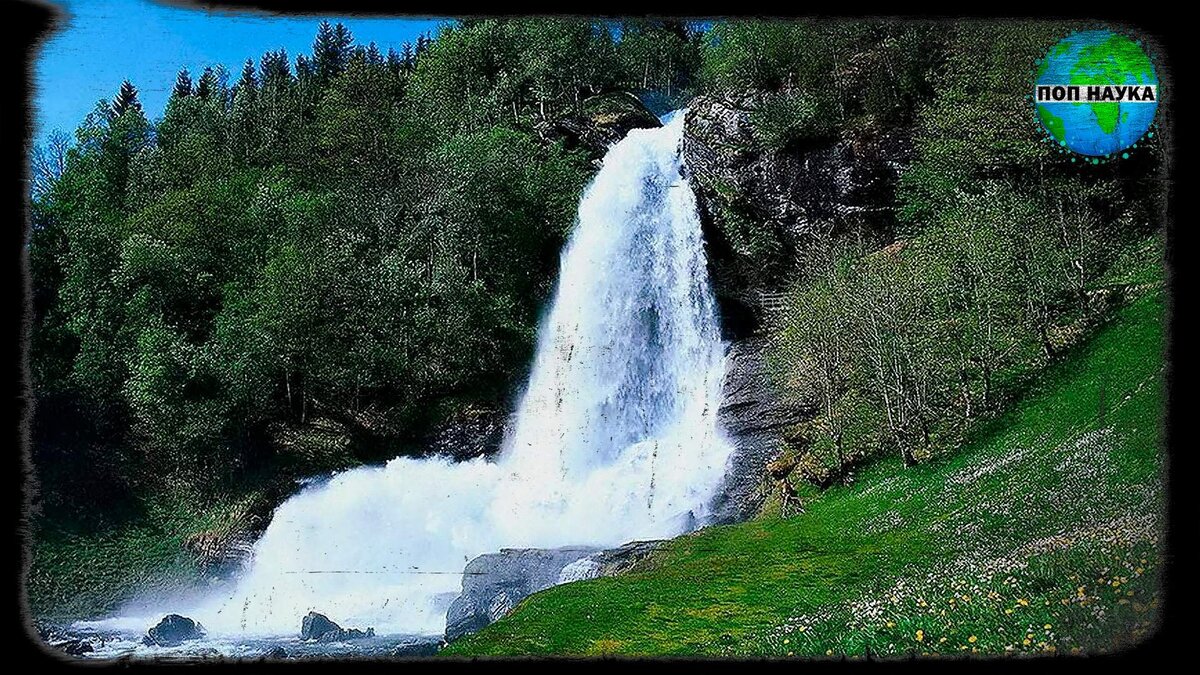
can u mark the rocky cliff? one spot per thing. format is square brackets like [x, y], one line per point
[760, 207]
[754, 415]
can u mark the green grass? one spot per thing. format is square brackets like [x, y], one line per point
[1042, 534]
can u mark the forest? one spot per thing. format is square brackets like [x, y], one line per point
[311, 261]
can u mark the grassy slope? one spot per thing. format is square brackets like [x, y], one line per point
[1042, 534]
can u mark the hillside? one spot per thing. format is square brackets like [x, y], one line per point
[1042, 534]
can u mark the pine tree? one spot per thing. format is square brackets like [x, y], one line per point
[331, 50]
[394, 63]
[276, 71]
[305, 69]
[373, 56]
[408, 57]
[207, 85]
[183, 84]
[423, 42]
[248, 83]
[126, 99]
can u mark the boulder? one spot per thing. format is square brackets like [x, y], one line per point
[610, 562]
[494, 583]
[173, 631]
[316, 626]
[604, 119]
[276, 653]
[75, 647]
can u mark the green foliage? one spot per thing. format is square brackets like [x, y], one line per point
[355, 239]
[812, 79]
[964, 555]
[488, 72]
[1006, 243]
[783, 120]
[663, 57]
[979, 128]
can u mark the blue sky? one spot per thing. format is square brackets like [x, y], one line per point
[103, 42]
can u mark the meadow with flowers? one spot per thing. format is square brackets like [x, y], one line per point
[1041, 535]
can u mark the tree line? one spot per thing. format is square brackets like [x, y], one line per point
[352, 235]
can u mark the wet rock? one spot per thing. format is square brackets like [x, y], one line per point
[75, 647]
[610, 562]
[173, 631]
[604, 120]
[356, 634]
[755, 415]
[415, 649]
[276, 653]
[471, 432]
[316, 626]
[494, 583]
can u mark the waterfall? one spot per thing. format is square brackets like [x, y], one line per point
[615, 437]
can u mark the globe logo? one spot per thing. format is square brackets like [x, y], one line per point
[1096, 93]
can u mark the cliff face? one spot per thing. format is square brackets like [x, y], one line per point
[760, 208]
[754, 415]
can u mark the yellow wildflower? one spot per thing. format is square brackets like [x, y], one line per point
[1023, 602]
[920, 636]
[1047, 626]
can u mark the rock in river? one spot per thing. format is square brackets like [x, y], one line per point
[172, 631]
[277, 653]
[316, 626]
[76, 647]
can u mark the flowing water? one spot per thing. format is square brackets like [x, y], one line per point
[615, 437]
